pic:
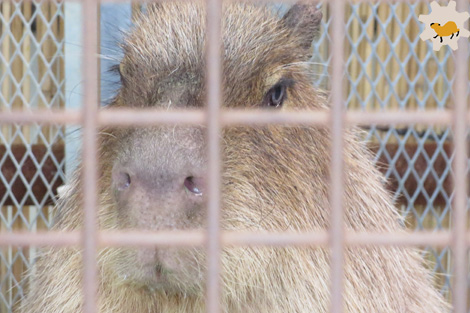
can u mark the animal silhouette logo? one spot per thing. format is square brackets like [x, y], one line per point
[444, 25]
[449, 29]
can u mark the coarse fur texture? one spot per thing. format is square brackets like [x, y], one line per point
[275, 178]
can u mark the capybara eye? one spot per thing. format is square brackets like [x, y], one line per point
[276, 96]
[192, 185]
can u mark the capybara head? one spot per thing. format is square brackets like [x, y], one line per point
[274, 178]
[158, 174]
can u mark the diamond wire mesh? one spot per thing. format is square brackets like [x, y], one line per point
[31, 77]
[387, 67]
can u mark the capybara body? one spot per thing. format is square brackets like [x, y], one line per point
[275, 178]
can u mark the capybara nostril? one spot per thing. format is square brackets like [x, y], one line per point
[121, 180]
[194, 185]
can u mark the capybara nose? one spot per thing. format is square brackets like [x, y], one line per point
[124, 179]
[159, 200]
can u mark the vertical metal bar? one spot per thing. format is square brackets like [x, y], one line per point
[213, 80]
[336, 170]
[459, 246]
[90, 177]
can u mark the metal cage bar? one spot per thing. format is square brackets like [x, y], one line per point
[336, 232]
[459, 248]
[196, 238]
[90, 148]
[143, 117]
[214, 96]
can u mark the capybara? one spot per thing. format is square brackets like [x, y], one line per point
[275, 178]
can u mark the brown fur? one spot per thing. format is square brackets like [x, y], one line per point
[274, 179]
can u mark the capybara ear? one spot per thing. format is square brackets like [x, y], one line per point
[304, 19]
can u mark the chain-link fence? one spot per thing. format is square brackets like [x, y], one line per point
[31, 156]
[387, 66]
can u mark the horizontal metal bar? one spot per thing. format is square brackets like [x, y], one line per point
[146, 117]
[232, 238]
[424, 238]
[274, 239]
[263, 117]
[151, 239]
[429, 117]
[58, 117]
[43, 238]
[269, 1]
